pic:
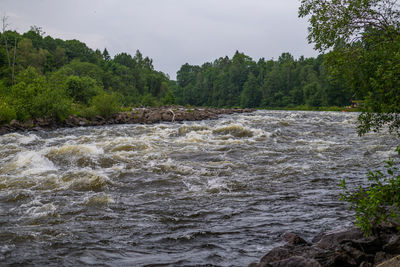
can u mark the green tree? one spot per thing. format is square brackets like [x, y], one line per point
[7, 112]
[28, 55]
[60, 58]
[106, 104]
[33, 97]
[365, 37]
[82, 89]
[76, 49]
[169, 98]
[106, 55]
[81, 69]
[251, 94]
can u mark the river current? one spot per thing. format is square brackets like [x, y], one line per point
[218, 192]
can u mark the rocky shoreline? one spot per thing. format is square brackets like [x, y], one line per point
[136, 115]
[341, 248]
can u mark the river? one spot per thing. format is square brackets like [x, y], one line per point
[219, 192]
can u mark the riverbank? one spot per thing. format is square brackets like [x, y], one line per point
[341, 248]
[136, 115]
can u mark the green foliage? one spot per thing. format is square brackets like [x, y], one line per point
[148, 100]
[169, 99]
[33, 97]
[105, 104]
[251, 94]
[87, 112]
[379, 203]
[52, 103]
[7, 112]
[84, 69]
[334, 22]
[82, 89]
[77, 49]
[25, 93]
[55, 78]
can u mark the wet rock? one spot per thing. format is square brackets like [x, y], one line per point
[72, 121]
[296, 262]
[393, 246]
[340, 248]
[168, 115]
[37, 128]
[276, 254]
[4, 129]
[15, 125]
[293, 239]
[333, 239]
[366, 264]
[393, 262]
[368, 245]
[381, 256]
[28, 124]
[153, 117]
[352, 256]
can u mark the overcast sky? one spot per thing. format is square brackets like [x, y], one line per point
[171, 32]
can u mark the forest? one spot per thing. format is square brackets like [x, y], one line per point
[52, 78]
[242, 82]
[43, 77]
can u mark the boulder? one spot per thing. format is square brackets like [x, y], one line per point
[152, 117]
[381, 257]
[167, 115]
[340, 248]
[276, 254]
[393, 246]
[4, 130]
[28, 124]
[15, 125]
[333, 239]
[293, 239]
[393, 262]
[296, 261]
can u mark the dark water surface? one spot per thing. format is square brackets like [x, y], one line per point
[211, 192]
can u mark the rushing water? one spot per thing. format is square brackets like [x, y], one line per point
[217, 192]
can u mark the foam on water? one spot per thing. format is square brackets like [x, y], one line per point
[75, 150]
[42, 211]
[29, 163]
[235, 130]
[99, 200]
[194, 137]
[86, 180]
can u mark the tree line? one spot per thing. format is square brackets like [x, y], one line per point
[243, 82]
[43, 77]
